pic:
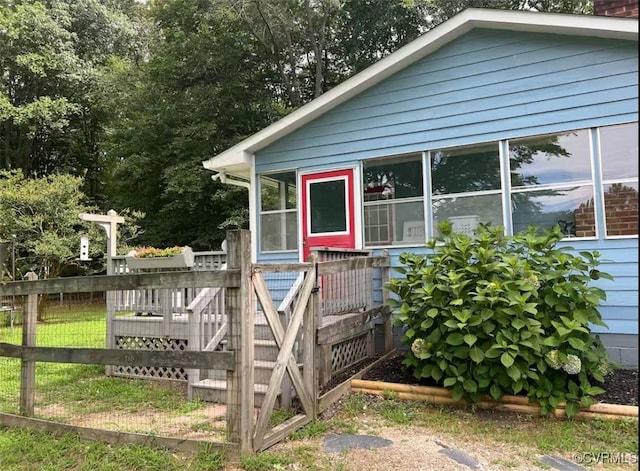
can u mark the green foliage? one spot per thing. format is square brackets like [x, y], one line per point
[42, 214]
[492, 314]
[153, 252]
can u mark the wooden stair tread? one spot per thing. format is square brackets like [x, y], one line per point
[221, 385]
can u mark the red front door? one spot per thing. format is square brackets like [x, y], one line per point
[328, 216]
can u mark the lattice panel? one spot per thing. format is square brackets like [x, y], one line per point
[347, 353]
[150, 343]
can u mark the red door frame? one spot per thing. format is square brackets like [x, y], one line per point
[344, 239]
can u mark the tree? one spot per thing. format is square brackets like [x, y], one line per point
[42, 214]
[52, 57]
[203, 88]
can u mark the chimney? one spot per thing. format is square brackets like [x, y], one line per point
[624, 8]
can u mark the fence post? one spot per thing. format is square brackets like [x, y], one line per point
[309, 336]
[28, 368]
[385, 273]
[240, 309]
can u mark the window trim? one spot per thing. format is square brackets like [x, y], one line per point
[598, 138]
[278, 211]
[420, 158]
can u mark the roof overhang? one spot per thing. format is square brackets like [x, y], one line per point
[237, 159]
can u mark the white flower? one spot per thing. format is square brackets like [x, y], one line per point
[604, 368]
[533, 279]
[417, 346]
[554, 360]
[573, 365]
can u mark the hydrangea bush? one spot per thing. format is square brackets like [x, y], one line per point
[494, 314]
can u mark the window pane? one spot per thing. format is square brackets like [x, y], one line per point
[393, 177]
[543, 160]
[394, 223]
[619, 147]
[278, 231]
[465, 213]
[278, 191]
[328, 206]
[571, 208]
[465, 170]
[621, 209]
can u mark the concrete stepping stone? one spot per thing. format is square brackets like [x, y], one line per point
[560, 463]
[338, 443]
[461, 457]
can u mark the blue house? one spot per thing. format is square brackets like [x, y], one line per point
[508, 117]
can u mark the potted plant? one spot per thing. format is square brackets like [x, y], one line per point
[155, 258]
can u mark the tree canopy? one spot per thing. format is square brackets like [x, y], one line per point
[126, 98]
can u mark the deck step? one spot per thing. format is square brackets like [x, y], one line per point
[262, 371]
[215, 390]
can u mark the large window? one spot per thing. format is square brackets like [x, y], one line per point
[393, 201]
[551, 183]
[619, 157]
[466, 187]
[278, 212]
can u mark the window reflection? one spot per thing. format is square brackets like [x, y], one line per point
[393, 201]
[619, 150]
[278, 216]
[570, 208]
[621, 209]
[465, 170]
[466, 213]
[552, 159]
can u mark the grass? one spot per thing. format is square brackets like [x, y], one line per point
[22, 450]
[83, 389]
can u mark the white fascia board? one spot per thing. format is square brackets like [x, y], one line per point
[553, 23]
[234, 164]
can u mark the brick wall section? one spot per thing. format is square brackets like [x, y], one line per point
[585, 220]
[621, 214]
[624, 8]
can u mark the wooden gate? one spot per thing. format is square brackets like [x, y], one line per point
[305, 383]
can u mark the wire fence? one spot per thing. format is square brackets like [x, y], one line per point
[91, 395]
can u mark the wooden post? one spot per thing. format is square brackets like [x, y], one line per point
[28, 368]
[309, 339]
[385, 273]
[240, 309]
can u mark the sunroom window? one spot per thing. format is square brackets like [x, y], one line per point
[619, 157]
[278, 212]
[393, 200]
[551, 183]
[466, 187]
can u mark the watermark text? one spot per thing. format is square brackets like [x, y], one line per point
[605, 457]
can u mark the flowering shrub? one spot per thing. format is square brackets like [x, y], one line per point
[492, 314]
[152, 252]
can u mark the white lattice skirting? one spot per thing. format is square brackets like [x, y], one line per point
[124, 342]
[345, 354]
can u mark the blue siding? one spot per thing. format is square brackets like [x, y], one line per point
[279, 284]
[485, 86]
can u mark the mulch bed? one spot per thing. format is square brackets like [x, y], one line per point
[621, 387]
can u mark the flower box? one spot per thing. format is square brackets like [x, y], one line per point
[183, 259]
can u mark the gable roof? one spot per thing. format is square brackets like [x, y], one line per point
[237, 159]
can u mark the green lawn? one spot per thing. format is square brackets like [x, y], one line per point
[81, 388]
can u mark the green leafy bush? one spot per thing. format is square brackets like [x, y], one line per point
[493, 314]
